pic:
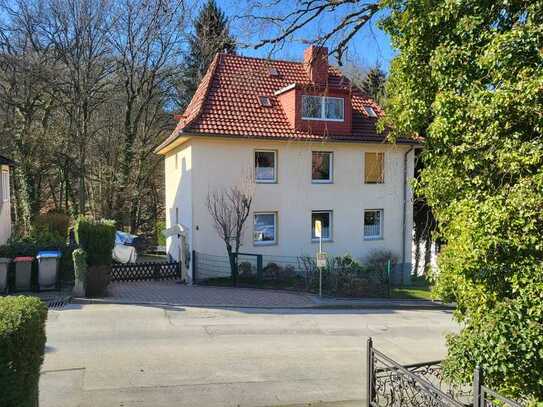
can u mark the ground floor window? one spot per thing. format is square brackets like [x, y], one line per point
[373, 224]
[325, 218]
[265, 228]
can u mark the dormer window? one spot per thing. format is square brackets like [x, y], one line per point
[264, 101]
[322, 108]
[369, 111]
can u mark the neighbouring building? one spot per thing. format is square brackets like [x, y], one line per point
[5, 203]
[309, 138]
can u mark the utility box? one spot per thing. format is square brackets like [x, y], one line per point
[23, 273]
[4, 268]
[48, 265]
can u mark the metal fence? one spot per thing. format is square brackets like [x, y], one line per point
[145, 271]
[390, 384]
[340, 277]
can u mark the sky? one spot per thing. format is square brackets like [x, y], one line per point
[370, 47]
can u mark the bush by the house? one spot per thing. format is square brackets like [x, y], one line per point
[22, 345]
[97, 239]
[160, 238]
[245, 269]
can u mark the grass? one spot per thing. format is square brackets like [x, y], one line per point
[412, 293]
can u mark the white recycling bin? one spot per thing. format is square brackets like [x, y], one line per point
[48, 265]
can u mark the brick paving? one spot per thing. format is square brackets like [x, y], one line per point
[168, 292]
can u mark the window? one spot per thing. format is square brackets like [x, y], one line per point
[325, 218]
[370, 112]
[373, 224]
[322, 108]
[374, 168]
[265, 168]
[321, 167]
[265, 229]
[264, 101]
[4, 186]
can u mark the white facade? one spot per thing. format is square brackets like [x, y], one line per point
[5, 205]
[201, 164]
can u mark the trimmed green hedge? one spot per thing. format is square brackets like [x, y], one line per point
[22, 345]
[97, 238]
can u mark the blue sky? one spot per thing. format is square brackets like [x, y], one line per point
[369, 47]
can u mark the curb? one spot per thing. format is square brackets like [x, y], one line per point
[398, 306]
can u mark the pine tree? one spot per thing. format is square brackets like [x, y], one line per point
[374, 84]
[211, 35]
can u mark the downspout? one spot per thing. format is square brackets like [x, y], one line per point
[404, 217]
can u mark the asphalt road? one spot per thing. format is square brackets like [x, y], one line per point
[129, 355]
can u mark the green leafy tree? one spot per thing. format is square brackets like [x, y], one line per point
[374, 84]
[211, 35]
[469, 77]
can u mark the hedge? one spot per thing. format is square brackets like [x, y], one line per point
[97, 238]
[22, 345]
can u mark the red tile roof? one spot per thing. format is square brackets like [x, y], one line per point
[226, 103]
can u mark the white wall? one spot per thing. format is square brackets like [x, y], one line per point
[5, 215]
[222, 162]
[178, 193]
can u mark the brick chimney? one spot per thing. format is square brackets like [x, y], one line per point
[316, 64]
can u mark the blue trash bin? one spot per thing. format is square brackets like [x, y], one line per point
[48, 265]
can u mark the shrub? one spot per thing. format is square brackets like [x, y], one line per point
[245, 268]
[271, 270]
[97, 280]
[97, 238]
[53, 222]
[22, 345]
[160, 238]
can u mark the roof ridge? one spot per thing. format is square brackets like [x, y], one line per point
[261, 59]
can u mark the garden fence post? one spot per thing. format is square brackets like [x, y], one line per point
[194, 275]
[156, 271]
[477, 382]
[259, 269]
[369, 375]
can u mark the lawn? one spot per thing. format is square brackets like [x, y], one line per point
[412, 293]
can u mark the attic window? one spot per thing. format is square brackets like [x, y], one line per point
[264, 101]
[370, 112]
[272, 71]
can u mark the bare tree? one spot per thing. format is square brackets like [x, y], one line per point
[280, 20]
[229, 208]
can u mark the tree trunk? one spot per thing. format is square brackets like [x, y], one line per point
[427, 255]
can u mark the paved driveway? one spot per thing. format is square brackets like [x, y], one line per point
[169, 292]
[130, 355]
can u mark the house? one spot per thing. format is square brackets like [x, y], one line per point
[309, 138]
[5, 204]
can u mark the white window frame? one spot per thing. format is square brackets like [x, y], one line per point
[4, 186]
[381, 225]
[323, 108]
[265, 242]
[266, 181]
[331, 227]
[330, 180]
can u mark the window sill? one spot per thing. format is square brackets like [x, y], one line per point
[274, 243]
[372, 239]
[320, 119]
[266, 182]
[323, 240]
[373, 183]
[316, 181]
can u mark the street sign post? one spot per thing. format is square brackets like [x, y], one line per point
[321, 257]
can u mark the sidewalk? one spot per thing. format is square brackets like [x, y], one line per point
[172, 294]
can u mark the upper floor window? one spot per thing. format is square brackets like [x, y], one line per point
[374, 168]
[321, 167]
[4, 186]
[322, 108]
[265, 166]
